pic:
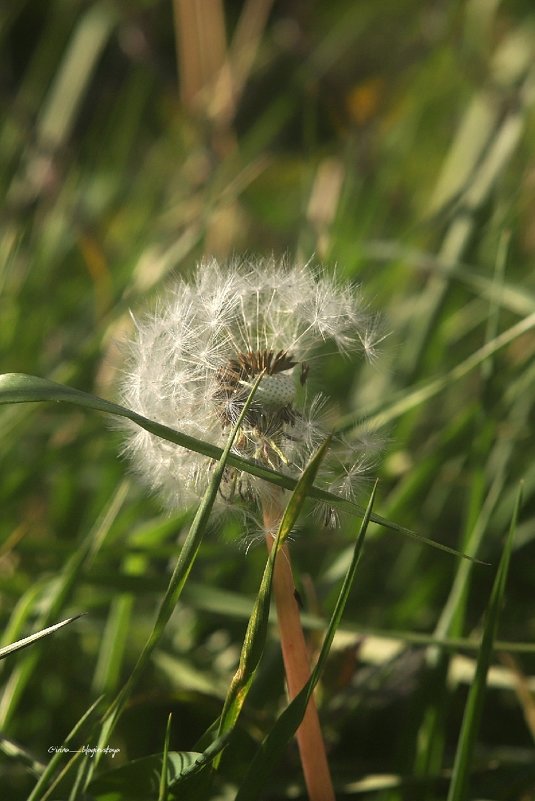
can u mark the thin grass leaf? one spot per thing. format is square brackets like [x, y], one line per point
[255, 636]
[32, 638]
[139, 779]
[205, 758]
[492, 147]
[431, 735]
[517, 299]
[113, 643]
[12, 749]
[164, 778]
[63, 587]
[266, 757]
[22, 614]
[405, 401]
[22, 388]
[143, 545]
[61, 106]
[184, 563]
[233, 605]
[458, 790]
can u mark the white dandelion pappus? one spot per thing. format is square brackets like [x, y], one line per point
[193, 361]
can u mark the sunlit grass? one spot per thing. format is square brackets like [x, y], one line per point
[395, 144]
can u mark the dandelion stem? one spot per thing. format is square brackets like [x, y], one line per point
[297, 666]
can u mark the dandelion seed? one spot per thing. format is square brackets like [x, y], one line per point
[193, 361]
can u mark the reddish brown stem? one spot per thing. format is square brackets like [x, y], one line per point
[297, 667]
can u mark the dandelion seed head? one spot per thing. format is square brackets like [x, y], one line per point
[193, 361]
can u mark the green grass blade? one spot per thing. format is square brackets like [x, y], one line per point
[263, 763]
[22, 388]
[431, 735]
[164, 779]
[511, 296]
[139, 779]
[22, 615]
[203, 759]
[406, 401]
[491, 139]
[184, 563]
[255, 636]
[136, 563]
[32, 638]
[458, 790]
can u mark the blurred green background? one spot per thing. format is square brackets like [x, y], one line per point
[394, 141]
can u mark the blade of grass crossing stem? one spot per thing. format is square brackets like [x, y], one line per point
[164, 778]
[265, 759]
[472, 715]
[22, 388]
[184, 563]
[256, 633]
[207, 756]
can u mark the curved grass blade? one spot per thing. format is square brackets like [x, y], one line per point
[265, 759]
[458, 790]
[22, 388]
[205, 758]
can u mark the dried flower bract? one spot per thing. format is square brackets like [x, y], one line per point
[193, 361]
